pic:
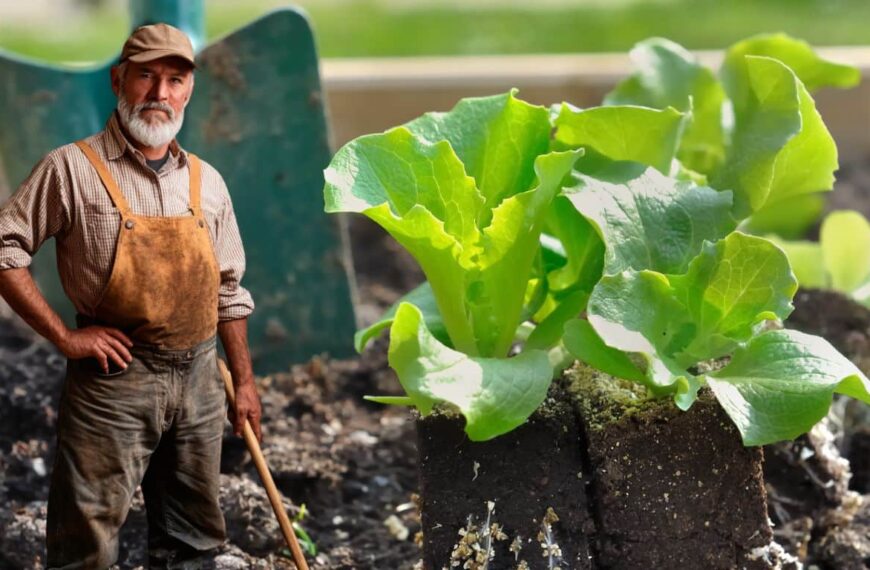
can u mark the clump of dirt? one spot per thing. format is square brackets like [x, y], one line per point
[516, 501]
[661, 477]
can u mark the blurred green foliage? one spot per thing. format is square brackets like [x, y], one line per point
[360, 28]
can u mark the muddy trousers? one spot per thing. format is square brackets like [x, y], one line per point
[159, 423]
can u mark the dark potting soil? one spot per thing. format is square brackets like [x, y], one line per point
[842, 321]
[519, 496]
[846, 325]
[670, 489]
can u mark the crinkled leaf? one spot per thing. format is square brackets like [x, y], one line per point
[494, 394]
[764, 123]
[845, 244]
[813, 71]
[808, 161]
[497, 139]
[397, 169]
[638, 134]
[637, 311]
[729, 288]
[585, 344]
[683, 319]
[475, 247]
[422, 298]
[782, 383]
[780, 146]
[669, 76]
[650, 221]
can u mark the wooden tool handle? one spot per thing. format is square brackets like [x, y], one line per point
[265, 475]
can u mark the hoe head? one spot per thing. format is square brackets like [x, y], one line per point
[257, 115]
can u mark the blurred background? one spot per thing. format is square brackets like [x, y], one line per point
[92, 30]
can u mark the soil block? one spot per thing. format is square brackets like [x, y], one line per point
[671, 489]
[529, 477]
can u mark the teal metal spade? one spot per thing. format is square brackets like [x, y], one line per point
[257, 115]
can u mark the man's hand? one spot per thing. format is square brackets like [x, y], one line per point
[247, 408]
[234, 337]
[101, 343]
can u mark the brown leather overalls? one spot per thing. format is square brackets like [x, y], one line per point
[157, 423]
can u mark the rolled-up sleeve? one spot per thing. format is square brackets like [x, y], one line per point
[235, 301]
[39, 209]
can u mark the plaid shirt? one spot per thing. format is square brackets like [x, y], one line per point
[64, 198]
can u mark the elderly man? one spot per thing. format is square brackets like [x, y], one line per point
[149, 253]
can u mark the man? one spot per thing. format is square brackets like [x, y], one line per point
[150, 255]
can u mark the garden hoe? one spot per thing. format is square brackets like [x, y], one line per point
[257, 115]
[266, 476]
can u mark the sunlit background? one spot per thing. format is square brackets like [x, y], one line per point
[92, 30]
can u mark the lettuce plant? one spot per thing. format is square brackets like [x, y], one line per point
[684, 298]
[839, 261]
[466, 192]
[608, 235]
[753, 127]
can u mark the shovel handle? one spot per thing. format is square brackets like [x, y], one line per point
[265, 475]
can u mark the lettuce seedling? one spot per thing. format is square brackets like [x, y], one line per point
[466, 193]
[684, 299]
[840, 261]
[753, 127]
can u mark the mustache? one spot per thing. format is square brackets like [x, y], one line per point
[148, 105]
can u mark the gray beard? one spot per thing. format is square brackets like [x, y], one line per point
[151, 135]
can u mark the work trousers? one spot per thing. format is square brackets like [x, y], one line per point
[158, 423]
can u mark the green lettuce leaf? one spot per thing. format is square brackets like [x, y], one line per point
[638, 134]
[496, 138]
[649, 221]
[840, 259]
[782, 383]
[475, 237]
[845, 243]
[677, 321]
[780, 146]
[813, 71]
[806, 261]
[549, 331]
[669, 76]
[584, 343]
[494, 394]
[421, 297]
[731, 287]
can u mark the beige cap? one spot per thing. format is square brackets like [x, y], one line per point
[148, 43]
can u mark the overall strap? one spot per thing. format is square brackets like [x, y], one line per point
[195, 167]
[111, 186]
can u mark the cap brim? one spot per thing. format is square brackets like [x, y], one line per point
[153, 54]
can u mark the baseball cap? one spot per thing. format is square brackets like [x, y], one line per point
[154, 41]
